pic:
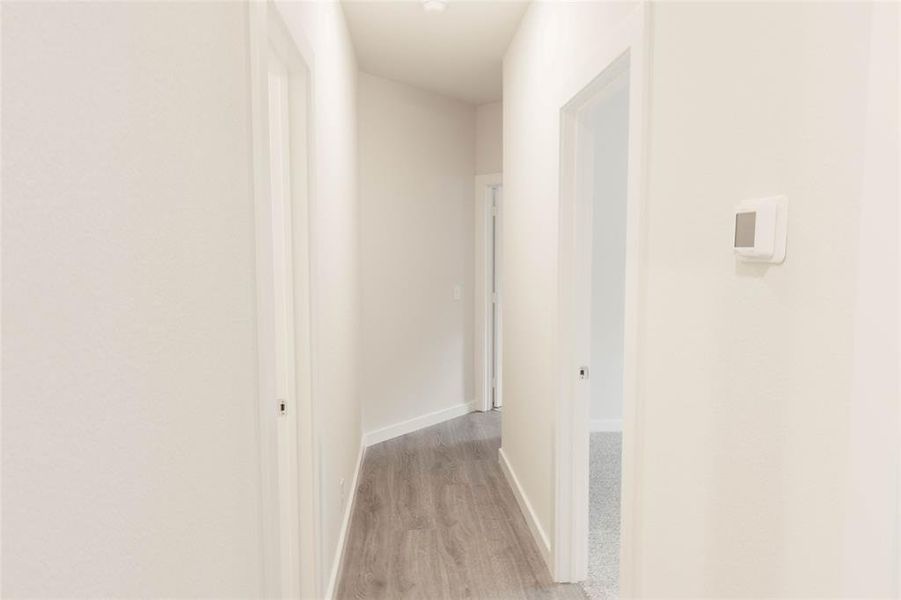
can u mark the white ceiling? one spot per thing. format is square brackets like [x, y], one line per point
[457, 52]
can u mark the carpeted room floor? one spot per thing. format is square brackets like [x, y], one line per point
[604, 516]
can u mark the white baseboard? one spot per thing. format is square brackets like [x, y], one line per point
[541, 539]
[605, 425]
[338, 560]
[414, 424]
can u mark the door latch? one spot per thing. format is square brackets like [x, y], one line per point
[583, 372]
[282, 407]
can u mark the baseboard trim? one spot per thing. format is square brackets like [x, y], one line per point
[540, 537]
[410, 425]
[338, 561]
[605, 425]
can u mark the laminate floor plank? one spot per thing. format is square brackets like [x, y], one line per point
[435, 519]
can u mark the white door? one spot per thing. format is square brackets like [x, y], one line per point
[494, 278]
[283, 307]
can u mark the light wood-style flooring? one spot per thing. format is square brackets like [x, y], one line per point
[435, 518]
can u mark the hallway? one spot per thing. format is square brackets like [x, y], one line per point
[435, 518]
[266, 267]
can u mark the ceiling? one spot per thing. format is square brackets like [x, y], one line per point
[457, 52]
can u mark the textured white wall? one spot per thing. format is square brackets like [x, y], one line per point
[748, 375]
[489, 138]
[130, 462]
[609, 125]
[752, 366]
[336, 267]
[416, 193]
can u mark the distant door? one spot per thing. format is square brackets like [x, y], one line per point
[283, 305]
[493, 277]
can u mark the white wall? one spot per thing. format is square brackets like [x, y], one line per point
[609, 125]
[747, 372]
[416, 192]
[757, 361]
[130, 462]
[336, 263]
[489, 138]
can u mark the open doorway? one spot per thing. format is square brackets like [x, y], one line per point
[604, 157]
[601, 297]
[599, 140]
[281, 117]
[488, 292]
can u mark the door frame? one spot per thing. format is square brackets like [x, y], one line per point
[267, 33]
[282, 176]
[484, 189]
[629, 42]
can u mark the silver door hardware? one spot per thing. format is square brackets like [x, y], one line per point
[583, 372]
[282, 407]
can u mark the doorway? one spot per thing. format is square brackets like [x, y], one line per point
[496, 402]
[280, 186]
[282, 190]
[489, 292]
[600, 261]
[604, 157]
[600, 156]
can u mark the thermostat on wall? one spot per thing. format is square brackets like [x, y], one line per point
[760, 230]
